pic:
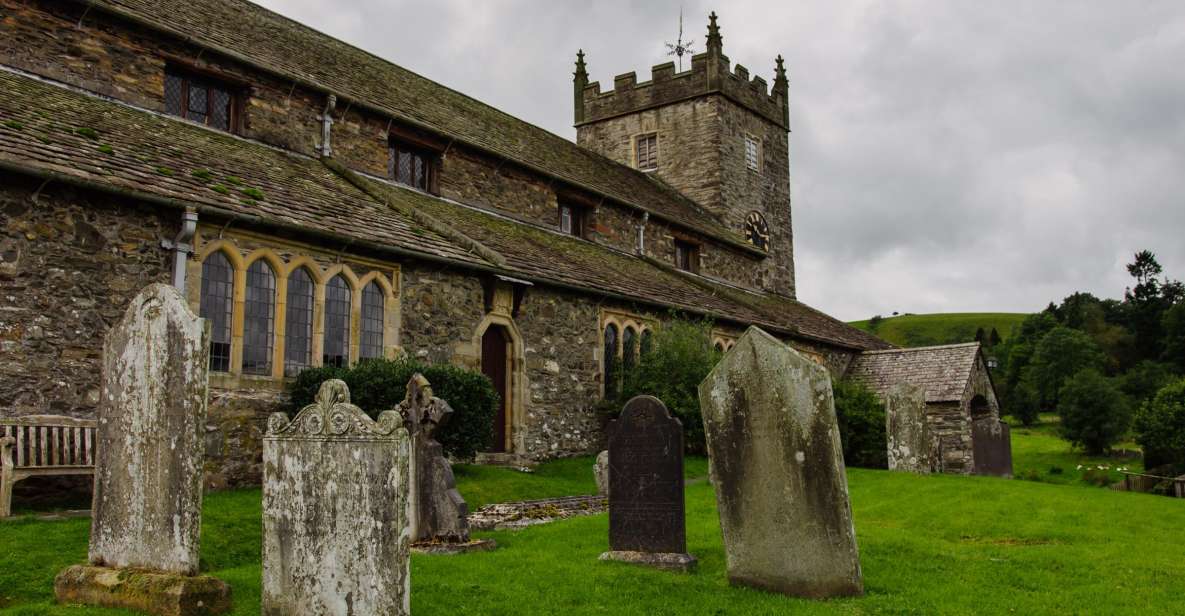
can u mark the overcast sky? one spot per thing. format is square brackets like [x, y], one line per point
[945, 156]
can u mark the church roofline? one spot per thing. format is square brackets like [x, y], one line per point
[683, 212]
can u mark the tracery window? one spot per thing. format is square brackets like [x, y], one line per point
[259, 316]
[216, 295]
[629, 351]
[337, 323]
[298, 340]
[611, 372]
[371, 342]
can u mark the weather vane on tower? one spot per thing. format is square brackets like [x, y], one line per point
[680, 47]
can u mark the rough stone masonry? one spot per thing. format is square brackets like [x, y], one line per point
[336, 531]
[777, 467]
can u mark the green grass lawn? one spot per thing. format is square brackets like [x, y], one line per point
[917, 330]
[1038, 453]
[935, 544]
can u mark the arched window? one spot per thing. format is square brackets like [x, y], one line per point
[647, 342]
[217, 290]
[298, 322]
[371, 342]
[610, 361]
[337, 323]
[259, 317]
[629, 351]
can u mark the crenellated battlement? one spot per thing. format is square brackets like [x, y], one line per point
[711, 72]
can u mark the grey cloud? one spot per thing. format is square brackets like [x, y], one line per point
[946, 156]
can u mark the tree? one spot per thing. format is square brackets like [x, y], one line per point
[875, 323]
[980, 336]
[681, 355]
[1160, 428]
[1147, 303]
[994, 338]
[1142, 382]
[1174, 337]
[1061, 353]
[1095, 414]
[1024, 403]
[861, 419]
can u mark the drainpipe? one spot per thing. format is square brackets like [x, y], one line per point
[182, 247]
[327, 125]
[642, 233]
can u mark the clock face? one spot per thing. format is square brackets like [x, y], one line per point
[757, 231]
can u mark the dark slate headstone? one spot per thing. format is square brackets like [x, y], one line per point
[991, 444]
[646, 511]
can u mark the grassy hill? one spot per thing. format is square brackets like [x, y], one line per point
[915, 330]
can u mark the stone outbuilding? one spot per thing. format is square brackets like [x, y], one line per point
[961, 402]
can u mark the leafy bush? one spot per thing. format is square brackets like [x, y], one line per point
[680, 357]
[1160, 428]
[1024, 403]
[377, 385]
[1095, 414]
[861, 418]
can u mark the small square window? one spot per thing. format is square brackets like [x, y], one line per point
[412, 166]
[751, 153]
[646, 151]
[200, 99]
[571, 220]
[687, 256]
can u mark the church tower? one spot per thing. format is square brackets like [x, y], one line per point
[712, 133]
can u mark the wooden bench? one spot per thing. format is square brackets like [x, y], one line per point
[42, 445]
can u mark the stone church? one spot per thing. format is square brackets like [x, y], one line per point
[321, 205]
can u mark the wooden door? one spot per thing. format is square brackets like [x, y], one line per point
[494, 359]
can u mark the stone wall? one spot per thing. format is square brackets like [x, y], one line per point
[70, 261]
[949, 422]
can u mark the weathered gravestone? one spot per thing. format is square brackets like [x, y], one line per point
[601, 473]
[439, 520]
[777, 467]
[991, 444]
[148, 466]
[911, 444]
[336, 532]
[646, 509]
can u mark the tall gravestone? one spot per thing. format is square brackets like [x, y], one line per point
[148, 467]
[646, 507]
[439, 519]
[777, 467]
[336, 530]
[911, 443]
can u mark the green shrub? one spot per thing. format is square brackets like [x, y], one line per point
[1024, 403]
[1095, 414]
[861, 418]
[377, 385]
[1160, 428]
[679, 358]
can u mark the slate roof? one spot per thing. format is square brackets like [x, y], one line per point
[943, 371]
[48, 129]
[275, 43]
[51, 129]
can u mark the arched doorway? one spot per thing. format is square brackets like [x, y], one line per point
[496, 356]
[980, 409]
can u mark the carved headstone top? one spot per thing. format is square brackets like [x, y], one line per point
[422, 412]
[336, 528]
[150, 436]
[646, 509]
[777, 467]
[332, 416]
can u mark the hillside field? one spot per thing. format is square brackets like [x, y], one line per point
[916, 330]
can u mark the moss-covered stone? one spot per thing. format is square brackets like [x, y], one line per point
[155, 593]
